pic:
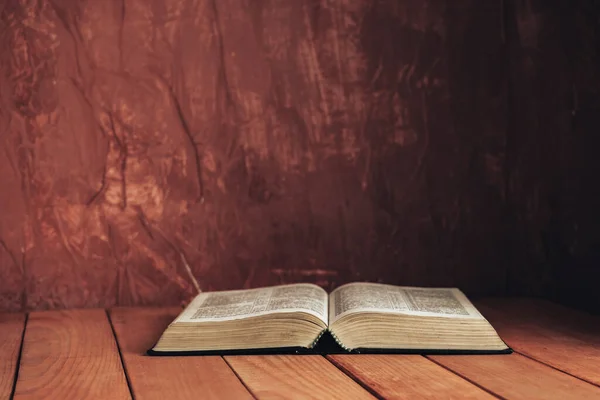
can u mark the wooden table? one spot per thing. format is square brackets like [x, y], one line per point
[80, 354]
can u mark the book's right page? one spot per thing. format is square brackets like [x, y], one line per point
[372, 317]
[375, 297]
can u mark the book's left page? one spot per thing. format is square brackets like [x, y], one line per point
[240, 304]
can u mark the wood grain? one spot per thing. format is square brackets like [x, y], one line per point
[11, 332]
[71, 355]
[407, 376]
[295, 377]
[137, 330]
[564, 338]
[517, 377]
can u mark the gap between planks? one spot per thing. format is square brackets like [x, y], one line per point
[18, 366]
[71, 354]
[396, 376]
[12, 330]
[295, 376]
[127, 379]
[515, 376]
[137, 329]
[557, 368]
[354, 377]
[239, 378]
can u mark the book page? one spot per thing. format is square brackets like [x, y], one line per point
[374, 297]
[238, 304]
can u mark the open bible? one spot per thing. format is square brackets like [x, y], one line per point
[360, 317]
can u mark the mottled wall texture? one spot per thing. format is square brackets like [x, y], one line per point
[153, 148]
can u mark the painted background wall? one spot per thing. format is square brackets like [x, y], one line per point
[149, 147]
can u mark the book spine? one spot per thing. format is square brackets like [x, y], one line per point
[338, 340]
[314, 343]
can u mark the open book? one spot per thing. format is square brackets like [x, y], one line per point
[361, 317]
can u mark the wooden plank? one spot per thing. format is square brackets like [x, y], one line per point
[71, 355]
[295, 376]
[517, 377]
[407, 377]
[11, 332]
[137, 329]
[564, 338]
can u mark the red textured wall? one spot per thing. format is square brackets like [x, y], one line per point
[145, 145]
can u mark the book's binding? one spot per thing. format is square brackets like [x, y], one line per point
[314, 342]
[338, 341]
